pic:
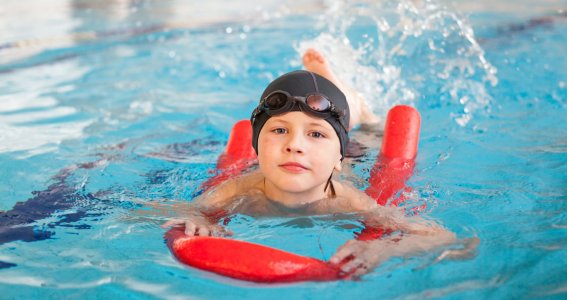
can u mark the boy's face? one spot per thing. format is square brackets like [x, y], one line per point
[297, 153]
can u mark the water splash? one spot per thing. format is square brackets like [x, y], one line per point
[406, 52]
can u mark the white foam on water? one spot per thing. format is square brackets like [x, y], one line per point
[440, 40]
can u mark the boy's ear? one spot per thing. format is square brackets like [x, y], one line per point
[339, 165]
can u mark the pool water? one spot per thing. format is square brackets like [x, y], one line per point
[109, 107]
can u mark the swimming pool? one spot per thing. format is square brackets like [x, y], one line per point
[106, 106]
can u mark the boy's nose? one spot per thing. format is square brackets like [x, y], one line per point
[292, 149]
[294, 144]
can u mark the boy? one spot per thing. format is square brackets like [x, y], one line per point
[300, 134]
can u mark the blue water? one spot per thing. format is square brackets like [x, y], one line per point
[108, 107]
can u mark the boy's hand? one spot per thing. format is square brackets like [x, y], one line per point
[196, 227]
[356, 258]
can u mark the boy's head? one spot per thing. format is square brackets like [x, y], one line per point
[306, 92]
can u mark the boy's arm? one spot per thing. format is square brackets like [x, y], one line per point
[200, 216]
[411, 236]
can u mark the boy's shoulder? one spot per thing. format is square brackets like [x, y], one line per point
[249, 180]
[355, 198]
[242, 183]
[223, 192]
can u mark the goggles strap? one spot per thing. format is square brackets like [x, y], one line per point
[330, 183]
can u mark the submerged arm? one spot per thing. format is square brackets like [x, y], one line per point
[411, 236]
[197, 221]
[201, 216]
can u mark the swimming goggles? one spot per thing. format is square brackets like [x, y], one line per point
[316, 104]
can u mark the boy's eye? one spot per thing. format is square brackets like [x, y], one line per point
[316, 134]
[279, 131]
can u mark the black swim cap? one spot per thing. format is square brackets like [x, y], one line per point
[301, 83]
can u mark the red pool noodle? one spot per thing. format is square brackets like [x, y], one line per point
[247, 261]
[395, 163]
[237, 156]
[253, 262]
[396, 160]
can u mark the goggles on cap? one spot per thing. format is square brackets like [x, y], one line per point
[316, 104]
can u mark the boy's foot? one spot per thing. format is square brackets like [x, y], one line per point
[360, 112]
[315, 62]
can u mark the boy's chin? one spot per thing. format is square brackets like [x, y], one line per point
[295, 187]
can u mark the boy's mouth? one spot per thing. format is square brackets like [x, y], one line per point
[294, 167]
